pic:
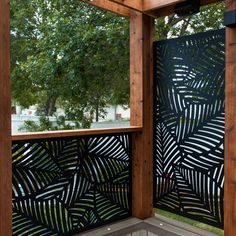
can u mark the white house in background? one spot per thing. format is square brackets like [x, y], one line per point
[116, 113]
[115, 117]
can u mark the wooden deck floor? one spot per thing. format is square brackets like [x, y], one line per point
[155, 226]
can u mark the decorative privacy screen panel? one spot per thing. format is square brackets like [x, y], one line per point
[64, 186]
[189, 126]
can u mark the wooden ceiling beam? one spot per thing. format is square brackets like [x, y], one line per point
[110, 6]
[149, 5]
[169, 10]
[154, 8]
[132, 4]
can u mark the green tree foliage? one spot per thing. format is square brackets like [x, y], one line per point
[209, 18]
[59, 124]
[68, 54]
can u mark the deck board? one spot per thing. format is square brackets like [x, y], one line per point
[155, 226]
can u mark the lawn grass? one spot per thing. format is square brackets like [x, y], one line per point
[191, 222]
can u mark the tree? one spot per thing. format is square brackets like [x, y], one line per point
[209, 18]
[76, 56]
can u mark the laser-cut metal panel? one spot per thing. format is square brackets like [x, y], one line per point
[65, 186]
[189, 126]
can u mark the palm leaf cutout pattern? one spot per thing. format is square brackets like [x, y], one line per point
[65, 186]
[189, 126]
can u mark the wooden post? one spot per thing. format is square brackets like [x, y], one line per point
[5, 122]
[230, 129]
[141, 104]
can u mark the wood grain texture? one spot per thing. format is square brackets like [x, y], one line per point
[141, 104]
[136, 71]
[154, 8]
[74, 133]
[5, 122]
[230, 129]
[109, 6]
[149, 5]
[168, 9]
[132, 4]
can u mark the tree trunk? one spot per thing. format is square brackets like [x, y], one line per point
[185, 25]
[115, 107]
[50, 105]
[97, 112]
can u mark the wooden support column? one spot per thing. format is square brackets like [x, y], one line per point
[5, 122]
[230, 129]
[141, 104]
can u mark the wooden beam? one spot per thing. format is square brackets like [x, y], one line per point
[5, 122]
[132, 4]
[74, 133]
[230, 129]
[169, 10]
[149, 5]
[109, 6]
[154, 8]
[141, 105]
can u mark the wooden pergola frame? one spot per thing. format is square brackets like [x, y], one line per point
[141, 14]
[154, 8]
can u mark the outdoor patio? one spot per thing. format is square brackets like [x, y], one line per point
[155, 226]
[85, 181]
